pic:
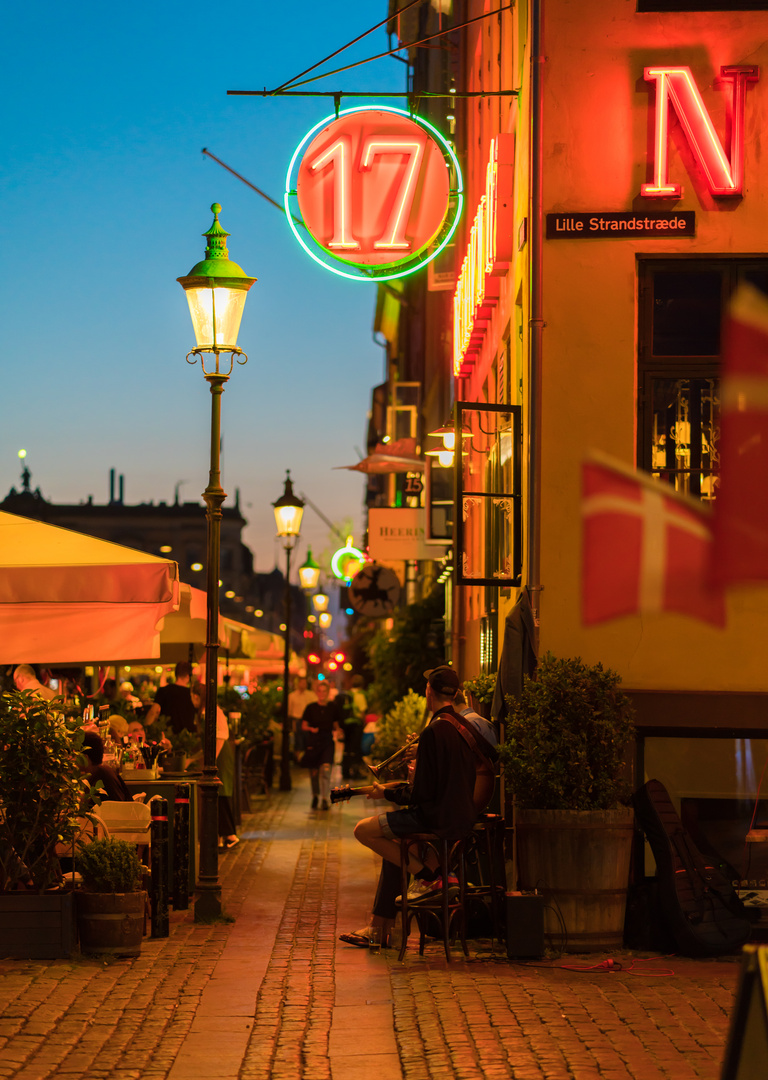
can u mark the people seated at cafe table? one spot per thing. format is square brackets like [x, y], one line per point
[91, 764]
[24, 678]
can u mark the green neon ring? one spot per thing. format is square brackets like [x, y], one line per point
[457, 194]
[352, 552]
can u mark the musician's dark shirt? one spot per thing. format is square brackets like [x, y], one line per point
[444, 782]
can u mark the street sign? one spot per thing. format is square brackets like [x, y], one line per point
[379, 192]
[374, 591]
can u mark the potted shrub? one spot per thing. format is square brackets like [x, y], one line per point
[110, 906]
[564, 761]
[405, 718]
[479, 693]
[41, 792]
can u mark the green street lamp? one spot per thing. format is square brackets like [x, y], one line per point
[216, 289]
[309, 573]
[289, 509]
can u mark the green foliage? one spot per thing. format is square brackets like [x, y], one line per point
[407, 717]
[109, 866]
[41, 788]
[184, 742]
[566, 738]
[257, 710]
[399, 657]
[261, 708]
[481, 688]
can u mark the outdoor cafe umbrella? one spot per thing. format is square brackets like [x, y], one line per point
[68, 598]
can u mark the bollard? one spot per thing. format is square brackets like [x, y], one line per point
[181, 848]
[159, 866]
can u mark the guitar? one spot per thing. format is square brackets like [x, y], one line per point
[344, 794]
[484, 783]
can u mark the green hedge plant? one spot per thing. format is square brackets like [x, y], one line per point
[566, 738]
[109, 866]
[405, 718]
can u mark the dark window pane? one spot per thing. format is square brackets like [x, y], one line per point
[701, 5]
[686, 313]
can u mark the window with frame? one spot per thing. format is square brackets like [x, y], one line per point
[682, 305]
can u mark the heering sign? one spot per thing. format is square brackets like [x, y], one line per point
[489, 256]
[675, 86]
[621, 225]
[378, 190]
[396, 533]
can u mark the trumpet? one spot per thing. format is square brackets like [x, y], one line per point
[396, 759]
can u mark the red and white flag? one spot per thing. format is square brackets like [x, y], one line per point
[646, 550]
[741, 508]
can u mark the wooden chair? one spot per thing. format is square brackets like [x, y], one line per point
[445, 911]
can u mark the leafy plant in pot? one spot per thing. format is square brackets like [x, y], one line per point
[41, 792]
[110, 906]
[480, 691]
[564, 760]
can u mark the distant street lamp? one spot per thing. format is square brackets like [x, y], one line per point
[288, 511]
[309, 573]
[216, 289]
[320, 601]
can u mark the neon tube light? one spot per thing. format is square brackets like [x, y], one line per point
[676, 86]
[378, 145]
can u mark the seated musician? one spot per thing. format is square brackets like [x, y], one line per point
[441, 800]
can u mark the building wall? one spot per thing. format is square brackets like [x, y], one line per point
[598, 126]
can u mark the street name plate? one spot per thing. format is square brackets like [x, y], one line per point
[663, 225]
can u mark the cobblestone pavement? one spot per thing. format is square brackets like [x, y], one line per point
[275, 995]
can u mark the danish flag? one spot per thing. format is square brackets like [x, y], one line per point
[741, 509]
[646, 550]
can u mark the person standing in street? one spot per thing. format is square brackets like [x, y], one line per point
[318, 723]
[175, 702]
[298, 699]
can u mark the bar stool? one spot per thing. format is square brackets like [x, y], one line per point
[444, 910]
[483, 851]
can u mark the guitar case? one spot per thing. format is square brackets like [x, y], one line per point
[703, 912]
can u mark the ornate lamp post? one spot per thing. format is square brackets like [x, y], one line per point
[288, 512]
[216, 289]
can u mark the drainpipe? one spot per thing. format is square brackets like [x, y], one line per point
[536, 321]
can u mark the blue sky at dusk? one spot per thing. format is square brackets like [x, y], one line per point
[106, 195]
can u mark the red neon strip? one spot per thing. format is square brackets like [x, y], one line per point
[676, 86]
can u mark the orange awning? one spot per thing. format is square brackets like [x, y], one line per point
[68, 598]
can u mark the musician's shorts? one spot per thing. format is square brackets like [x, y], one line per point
[399, 823]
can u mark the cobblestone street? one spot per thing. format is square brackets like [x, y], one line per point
[275, 994]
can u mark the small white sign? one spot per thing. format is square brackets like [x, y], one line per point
[398, 533]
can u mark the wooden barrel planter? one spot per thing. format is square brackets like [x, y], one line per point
[579, 860]
[111, 922]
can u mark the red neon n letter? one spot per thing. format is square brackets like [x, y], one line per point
[675, 86]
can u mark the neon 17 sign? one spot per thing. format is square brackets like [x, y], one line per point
[378, 191]
[675, 86]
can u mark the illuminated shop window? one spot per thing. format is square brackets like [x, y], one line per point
[682, 309]
[488, 494]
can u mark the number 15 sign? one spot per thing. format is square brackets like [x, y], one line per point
[378, 190]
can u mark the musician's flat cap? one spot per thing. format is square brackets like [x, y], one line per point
[443, 680]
